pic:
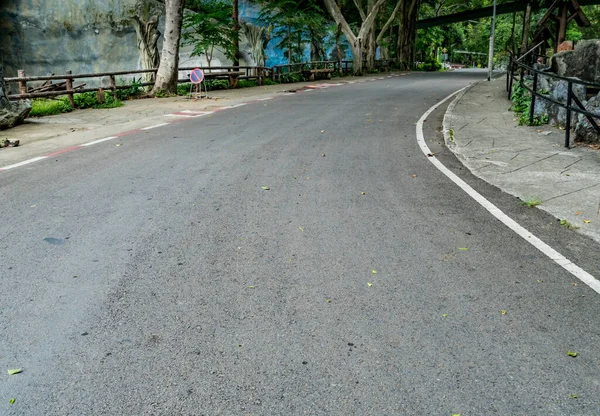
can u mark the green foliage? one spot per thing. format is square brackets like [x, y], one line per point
[41, 107]
[134, 90]
[532, 202]
[521, 99]
[162, 93]
[269, 81]
[216, 84]
[246, 83]
[294, 23]
[208, 28]
[430, 64]
[184, 89]
[89, 100]
[292, 77]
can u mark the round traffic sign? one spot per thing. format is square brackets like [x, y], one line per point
[196, 76]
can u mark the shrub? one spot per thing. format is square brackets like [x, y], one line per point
[246, 83]
[41, 107]
[89, 100]
[430, 64]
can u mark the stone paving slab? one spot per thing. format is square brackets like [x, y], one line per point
[527, 162]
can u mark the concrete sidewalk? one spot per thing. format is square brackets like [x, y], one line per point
[45, 135]
[528, 162]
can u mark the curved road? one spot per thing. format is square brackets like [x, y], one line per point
[159, 277]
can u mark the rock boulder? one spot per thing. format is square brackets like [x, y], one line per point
[583, 62]
[14, 113]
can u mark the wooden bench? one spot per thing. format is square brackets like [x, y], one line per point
[311, 73]
[230, 76]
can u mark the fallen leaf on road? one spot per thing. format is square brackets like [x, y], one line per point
[250, 287]
[587, 221]
[503, 312]
[363, 193]
[12, 401]
[540, 281]
[430, 154]
[323, 155]
[14, 371]
[75, 277]
[571, 353]
[463, 248]
[574, 284]
[328, 300]
[444, 315]
[369, 284]
[33, 206]
[578, 213]
[374, 271]
[415, 175]
[266, 188]
[573, 396]
[322, 131]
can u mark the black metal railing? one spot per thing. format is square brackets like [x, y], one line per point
[520, 66]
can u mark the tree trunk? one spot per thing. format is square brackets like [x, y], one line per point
[289, 31]
[235, 16]
[357, 56]
[526, 23]
[147, 43]
[166, 78]
[407, 34]
[371, 50]
[338, 48]
[355, 40]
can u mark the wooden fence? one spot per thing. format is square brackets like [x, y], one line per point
[66, 85]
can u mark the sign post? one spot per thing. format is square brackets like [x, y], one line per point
[196, 77]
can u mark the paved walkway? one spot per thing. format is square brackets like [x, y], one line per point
[528, 162]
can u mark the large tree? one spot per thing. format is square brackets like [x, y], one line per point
[166, 77]
[358, 40]
[144, 18]
[407, 32]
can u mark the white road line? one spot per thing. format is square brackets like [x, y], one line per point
[99, 141]
[155, 126]
[264, 99]
[554, 255]
[23, 163]
[238, 105]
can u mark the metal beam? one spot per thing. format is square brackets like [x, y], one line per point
[505, 8]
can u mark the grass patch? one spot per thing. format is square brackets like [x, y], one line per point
[246, 83]
[532, 202]
[41, 107]
[568, 225]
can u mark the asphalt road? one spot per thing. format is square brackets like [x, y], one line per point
[158, 277]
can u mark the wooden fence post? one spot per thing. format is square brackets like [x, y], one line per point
[113, 86]
[70, 90]
[22, 84]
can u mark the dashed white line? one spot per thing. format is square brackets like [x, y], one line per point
[99, 141]
[264, 99]
[551, 253]
[155, 126]
[23, 163]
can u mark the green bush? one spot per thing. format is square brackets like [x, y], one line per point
[246, 83]
[134, 90]
[41, 107]
[216, 84]
[521, 100]
[430, 64]
[89, 100]
[292, 77]
[269, 81]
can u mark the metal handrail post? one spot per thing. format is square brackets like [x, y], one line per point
[532, 105]
[568, 126]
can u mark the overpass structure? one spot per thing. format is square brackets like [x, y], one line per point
[506, 8]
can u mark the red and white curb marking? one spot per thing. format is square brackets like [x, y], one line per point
[178, 117]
